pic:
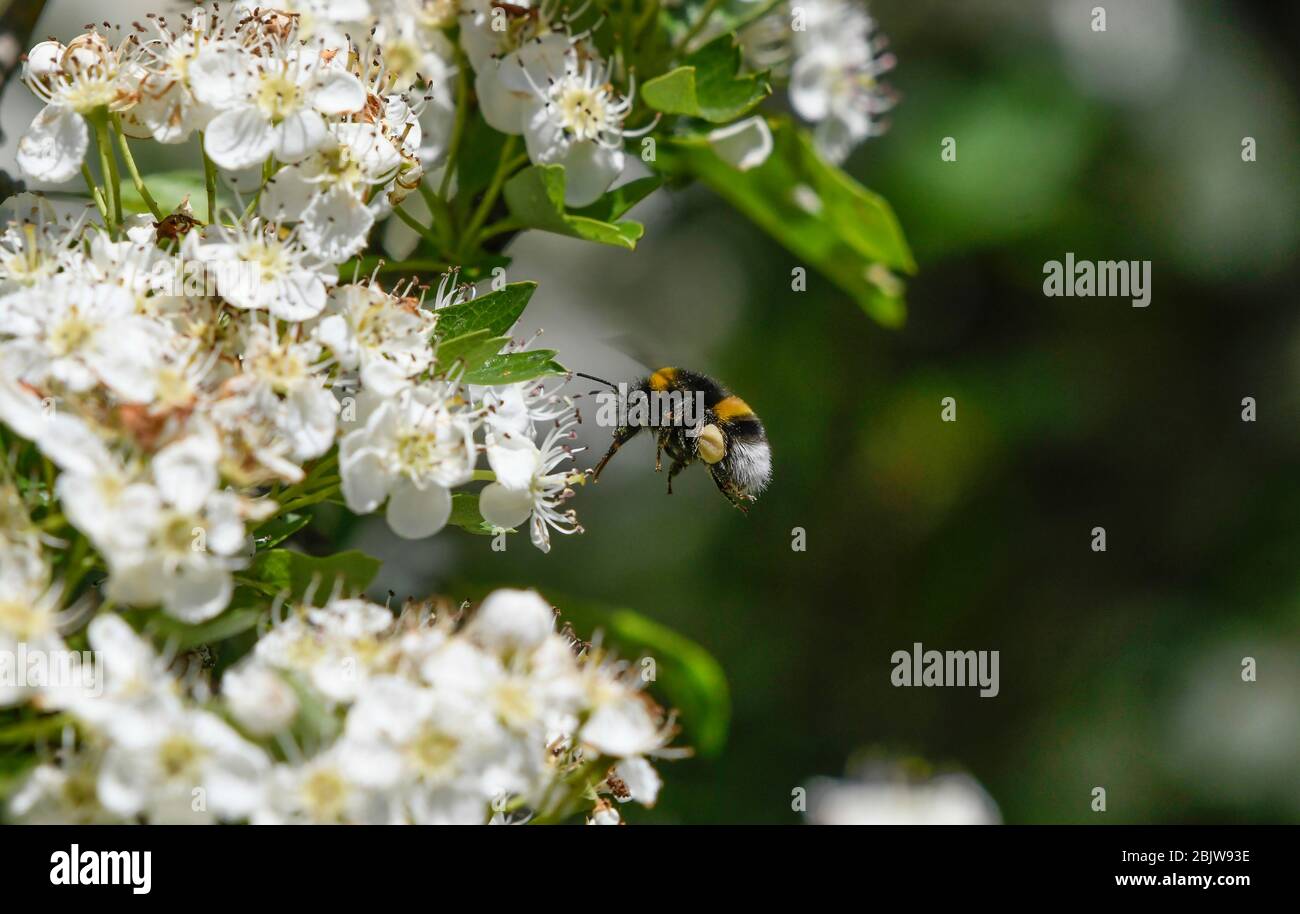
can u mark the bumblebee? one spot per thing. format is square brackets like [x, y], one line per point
[722, 431]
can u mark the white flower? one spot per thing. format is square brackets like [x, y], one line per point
[505, 83]
[35, 244]
[326, 192]
[116, 512]
[272, 101]
[623, 727]
[511, 620]
[604, 814]
[186, 767]
[186, 562]
[319, 792]
[136, 688]
[259, 269]
[411, 36]
[385, 338]
[323, 645]
[287, 387]
[261, 701]
[74, 81]
[62, 794]
[68, 441]
[640, 779]
[885, 795]
[527, 485]
[834, 78]
[28, 615]
[90, 335]
[482, 37]
[168, 107]
[185, 471]
[414, 449]
[575, 119]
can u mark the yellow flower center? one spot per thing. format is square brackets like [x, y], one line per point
[278, 96]
[179, 757]
[582, 111]
[325, 794]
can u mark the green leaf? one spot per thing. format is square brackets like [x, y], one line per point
[494, 313]
[14, 770]
[285, 571]
[232, 622]
[513, 367]
[468, 351]
[536, 198]
[727, 16]
[278, 529]
[621, 199]
[709, 85]
[465, 514]
[31, 729]
[824, 217]
[169, 188]
[687, 676]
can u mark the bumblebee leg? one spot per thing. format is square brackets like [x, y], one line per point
[622, 435]
[738, 500]
[659, 450]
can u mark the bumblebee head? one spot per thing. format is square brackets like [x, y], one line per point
[712, 446]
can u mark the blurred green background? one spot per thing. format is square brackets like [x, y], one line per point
[1118, 669]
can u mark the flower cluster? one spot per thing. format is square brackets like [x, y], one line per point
[834, 60]
[536, 78]
[181, 386]
[346, 127]
[345, 714]
[184, 408]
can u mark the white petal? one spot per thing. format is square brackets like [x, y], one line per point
[589, 169]
[335, 225]
[364, 474]
[505, 508]
[621, 728]
[43, 59]
[641, 779]
[71, 445]
[514, 460]
[197, 591]
[543, 138]
[416, 513]
[337, 92]
[218, 77]
[512, 620]
[808, 93]
[239, 138]
[287, 194]
[299, 296]
[299, 134]
[367, 144]
[743, 145]
[186, 471]
[503, 108]
[54, 146]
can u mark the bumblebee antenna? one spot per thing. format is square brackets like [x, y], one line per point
[592, 377]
